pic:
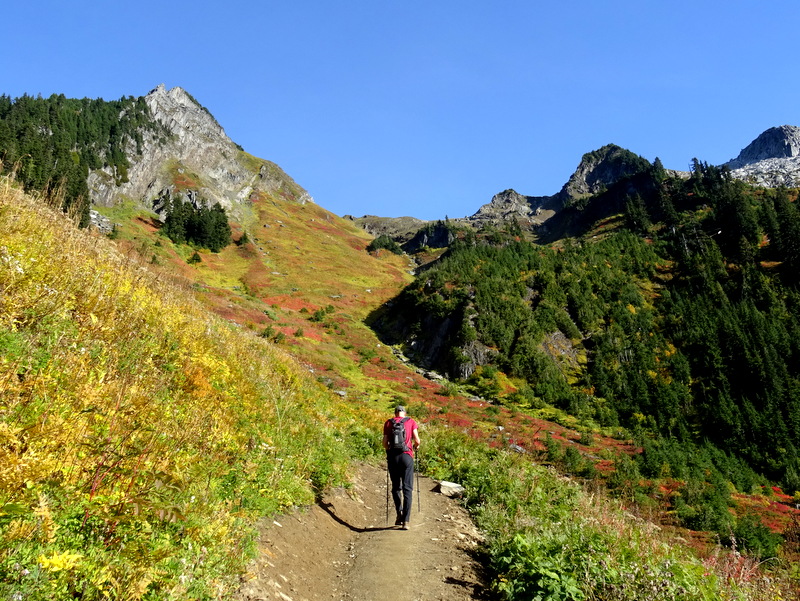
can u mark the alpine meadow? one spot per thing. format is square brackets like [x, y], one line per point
[190, 345]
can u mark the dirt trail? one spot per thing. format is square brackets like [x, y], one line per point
[343, 549]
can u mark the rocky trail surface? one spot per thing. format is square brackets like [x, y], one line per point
[343, 549]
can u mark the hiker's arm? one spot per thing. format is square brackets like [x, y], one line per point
[415, 434]
[385, 441]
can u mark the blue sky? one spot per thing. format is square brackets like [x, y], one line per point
[429, 108]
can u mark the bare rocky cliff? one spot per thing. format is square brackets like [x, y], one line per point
[509, 204]
[771, 160]
[191, 157]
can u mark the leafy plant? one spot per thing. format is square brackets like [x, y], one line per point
[548, 539]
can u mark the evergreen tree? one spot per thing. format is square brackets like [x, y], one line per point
[202, 227]
[54, 142]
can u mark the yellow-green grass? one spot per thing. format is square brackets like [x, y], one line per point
[140, 436]
[298, 259]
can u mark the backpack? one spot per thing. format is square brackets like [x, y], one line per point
[397, 438]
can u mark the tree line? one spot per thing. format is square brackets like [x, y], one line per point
[52, 143]
[198, 225]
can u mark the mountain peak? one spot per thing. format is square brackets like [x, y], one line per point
[775, 143]
[601, 168]
[510, 204]
[180, 113]
[771, 160]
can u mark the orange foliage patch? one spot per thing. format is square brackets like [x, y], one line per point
[183, 182]
[148, 223]
[291, 303]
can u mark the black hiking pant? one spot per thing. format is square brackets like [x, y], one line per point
[401, 472]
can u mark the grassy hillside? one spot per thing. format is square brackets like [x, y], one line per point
[297, 275]
[670, 324]
[156, 399]
[139, 436]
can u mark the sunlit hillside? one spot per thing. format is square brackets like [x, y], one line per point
[165, 387]
[297, 275]
[139, 436]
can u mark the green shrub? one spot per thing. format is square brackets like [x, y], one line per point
[755, 538]
[384, 241]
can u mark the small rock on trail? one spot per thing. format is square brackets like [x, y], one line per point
[343, 549]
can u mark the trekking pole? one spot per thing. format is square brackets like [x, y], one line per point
[419, 490]
[387, 496]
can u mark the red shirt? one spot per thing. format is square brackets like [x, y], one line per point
[410, 425]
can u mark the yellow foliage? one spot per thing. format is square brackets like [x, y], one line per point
[60, 561]
[119, 390]
[19, 530]
[46, 524]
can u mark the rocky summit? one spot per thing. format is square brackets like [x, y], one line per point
[509, 204]
[771, 160]
[599, 169]
[775, 143]
[190, 155]
[596, 171]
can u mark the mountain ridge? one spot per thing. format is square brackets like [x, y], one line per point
[772, 160]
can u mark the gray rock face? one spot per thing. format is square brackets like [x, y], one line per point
[400, 229]
[775, 143]
[196, 151]
[771, 160]
[103, 225]
[509, 204]
[434, 235]
[596, 171]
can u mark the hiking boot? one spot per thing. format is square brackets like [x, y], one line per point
[403, 525]
[399, 520]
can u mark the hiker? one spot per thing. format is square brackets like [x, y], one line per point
[401, 439]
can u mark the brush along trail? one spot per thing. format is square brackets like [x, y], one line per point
[344, 549]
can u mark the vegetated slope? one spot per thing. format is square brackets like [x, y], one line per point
[139, 436]
[296, 275]
[675, 319]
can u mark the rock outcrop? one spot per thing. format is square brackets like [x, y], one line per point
[597, 170]
[600, 169]
[509, 204]
[191, 157]
[400, 229]
[433, 235]
[775, 143]
[771, 160]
